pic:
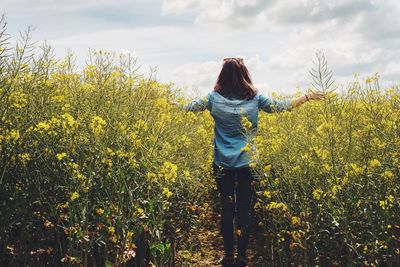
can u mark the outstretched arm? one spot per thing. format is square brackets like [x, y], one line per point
[196, 105]
[307, 97]
[273, 105]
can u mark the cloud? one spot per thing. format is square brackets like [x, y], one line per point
[180, 6]
[233, 12]
[392, 71]
[187, 39]
[199, 77]
[61, 7]
[286, 12]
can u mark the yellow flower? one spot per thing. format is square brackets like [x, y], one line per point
[387, 174]
[246, 123]
[140, 212]
[24, 157]
[97, 125]
[42, 127]
[246, 148]
[99, 211]
[355, 168]
[74, 196]
[166, 192]
[296, 169]
[129, 235]
[317, 193]
[335, 189]
[327, 167]
[267, 168]
[107, 162]
[151, 176]
[65, 107]
[185, 141]
[186, 173]
[276, 205]
[375, 163]
[69, 121]
[58, 98]
[60, 156]
[267, 194]
[169, 171]
[141, 125]
[74, 166]
[253, 164]
[161, 103]
[295, 220]
[13, 135]
[18, 100]
[111, 230]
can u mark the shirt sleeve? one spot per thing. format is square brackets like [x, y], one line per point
[274, 105]
[199, 104]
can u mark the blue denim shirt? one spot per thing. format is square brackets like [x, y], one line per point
[229, 135]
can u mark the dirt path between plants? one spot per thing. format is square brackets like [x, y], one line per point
[211, 244]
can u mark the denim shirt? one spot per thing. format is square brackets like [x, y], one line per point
[230, 136]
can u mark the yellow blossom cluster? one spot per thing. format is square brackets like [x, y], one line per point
[97, 125]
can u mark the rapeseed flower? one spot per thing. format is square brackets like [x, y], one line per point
[317, 193]
[374, 163]
[166, 192]
[97, 125]
[99, 211]
[74, 196]
[169, 171]
[60, 156]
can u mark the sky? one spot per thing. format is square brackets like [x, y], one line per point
[186, 40]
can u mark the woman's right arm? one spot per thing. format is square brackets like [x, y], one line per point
[196, 105]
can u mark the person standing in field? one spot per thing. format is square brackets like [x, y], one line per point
[233, 97]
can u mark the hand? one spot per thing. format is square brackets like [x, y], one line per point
[173, 102]
[316, 96]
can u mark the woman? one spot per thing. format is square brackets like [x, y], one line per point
[234, 96]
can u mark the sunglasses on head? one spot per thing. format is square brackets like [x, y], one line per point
[233, 58]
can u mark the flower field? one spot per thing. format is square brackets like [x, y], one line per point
[97, 168]
[328, 189]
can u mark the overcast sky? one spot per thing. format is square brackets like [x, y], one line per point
[187, 39]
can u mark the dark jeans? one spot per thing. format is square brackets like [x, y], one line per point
[235, 200]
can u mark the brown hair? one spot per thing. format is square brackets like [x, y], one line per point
[234, 80]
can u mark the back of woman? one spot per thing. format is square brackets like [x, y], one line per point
[230, 135]
[234, 98]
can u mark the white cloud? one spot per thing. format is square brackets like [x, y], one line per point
[187, 39]
[391, 71]
[199, 77]
[179, 6]
[59, 7]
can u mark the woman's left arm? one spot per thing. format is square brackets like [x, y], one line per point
[307, 97]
